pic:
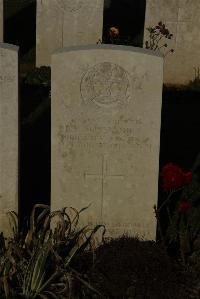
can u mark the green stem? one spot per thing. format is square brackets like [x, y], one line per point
[159, 226]
[169, 215]
[168, 198]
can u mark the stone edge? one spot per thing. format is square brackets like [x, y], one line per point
[9, 46]
[108, 47]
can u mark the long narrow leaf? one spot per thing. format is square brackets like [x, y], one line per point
[13, 222]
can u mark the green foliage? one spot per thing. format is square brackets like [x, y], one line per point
[39, 77]
[39, 264]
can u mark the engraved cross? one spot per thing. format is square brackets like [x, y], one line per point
[102, 176]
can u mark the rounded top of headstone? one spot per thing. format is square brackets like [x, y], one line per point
[9, 46]
[70, 5]
[109, 47]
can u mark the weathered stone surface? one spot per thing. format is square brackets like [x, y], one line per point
[62, 23]
[106, 110]
[8, 133]
[1, 20]
[182, 18]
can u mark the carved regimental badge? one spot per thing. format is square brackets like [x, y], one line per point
[105, 85]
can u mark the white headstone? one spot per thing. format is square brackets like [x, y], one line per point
[8, 133]
[182, 18]
[62, 23]
[1, 20]
[106, 113]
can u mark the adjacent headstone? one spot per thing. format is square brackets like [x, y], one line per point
[62, 23]
[1, 20]
[106, 113]
[182, 18]
[8, 133]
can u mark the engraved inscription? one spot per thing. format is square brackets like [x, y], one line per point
[105, 85]
[6, 78]
[115, 135]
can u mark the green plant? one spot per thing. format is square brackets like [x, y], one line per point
[39, 263]
[157, 38]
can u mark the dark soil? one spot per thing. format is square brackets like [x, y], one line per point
[129, 268]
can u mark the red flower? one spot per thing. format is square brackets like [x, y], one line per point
[173, 177]
[184, 206]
